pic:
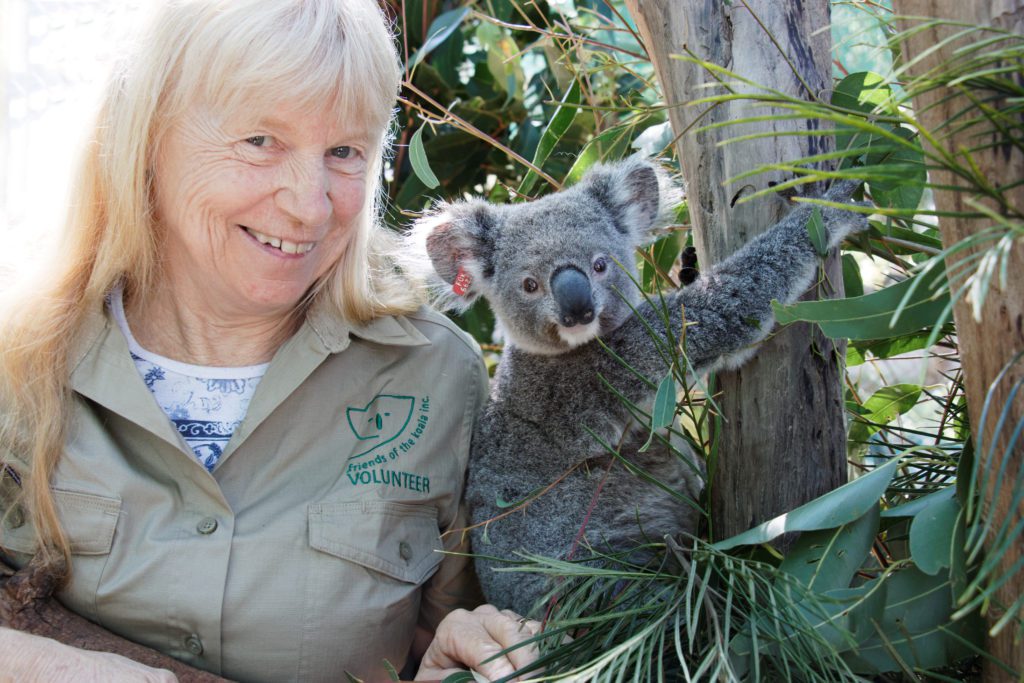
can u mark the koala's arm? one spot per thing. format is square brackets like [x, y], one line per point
[728, 307]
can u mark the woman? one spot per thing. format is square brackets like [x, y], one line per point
[223, 407]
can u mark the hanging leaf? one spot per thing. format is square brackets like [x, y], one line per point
[853, 285]
[556, 128]
[664, 410]
[932, 534]
[884, 406]
[418, 159]
[816, 231]
[442, 27]
[872, 316]
[841, 506]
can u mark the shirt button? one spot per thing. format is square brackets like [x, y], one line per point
[207, 526]
[194, 645]
[405, 551]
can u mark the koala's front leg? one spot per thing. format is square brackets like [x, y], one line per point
[728, 308]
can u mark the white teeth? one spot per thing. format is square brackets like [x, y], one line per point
[284, 245]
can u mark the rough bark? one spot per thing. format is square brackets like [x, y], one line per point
[989, 342]
[783, 442]
[27, 604]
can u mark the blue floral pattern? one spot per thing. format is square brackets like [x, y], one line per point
[205, 411]
[205, 404]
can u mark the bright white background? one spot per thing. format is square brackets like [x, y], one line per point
[54, 57]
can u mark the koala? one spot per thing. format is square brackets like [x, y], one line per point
[557, 273]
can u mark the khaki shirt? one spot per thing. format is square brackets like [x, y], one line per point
[313, 548]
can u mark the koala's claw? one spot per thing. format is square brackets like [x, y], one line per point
[688, 266]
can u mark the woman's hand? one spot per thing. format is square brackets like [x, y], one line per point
[465, 640]
[34, 659]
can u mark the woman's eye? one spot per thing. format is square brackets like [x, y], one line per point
[343, 152]
[260, 140]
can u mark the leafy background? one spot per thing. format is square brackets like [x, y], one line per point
[510, 99]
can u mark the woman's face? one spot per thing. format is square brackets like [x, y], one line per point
[253, 209]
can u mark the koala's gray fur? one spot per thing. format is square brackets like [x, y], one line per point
[547, 387]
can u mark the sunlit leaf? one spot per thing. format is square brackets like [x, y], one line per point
[663, 412]
[884, 406]
[556, 128]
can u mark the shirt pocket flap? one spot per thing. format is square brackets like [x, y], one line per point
[396, 539]
[88, 521]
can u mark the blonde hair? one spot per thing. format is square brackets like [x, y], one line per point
[223, 54]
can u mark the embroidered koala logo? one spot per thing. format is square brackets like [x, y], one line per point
[380, 421]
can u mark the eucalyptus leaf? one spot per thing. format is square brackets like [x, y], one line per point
[611, 144]
[461, 677]
[916, 626]
[920, 504]
[840, 506]
[442, 27]
[418, 159]
[932, 533]
[872, 316]
[816, 231]
[827, 559]
[887, 348]
[556, 128]
[853, 284]
[884, 406]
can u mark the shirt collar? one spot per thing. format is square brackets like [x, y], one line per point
[333, 331]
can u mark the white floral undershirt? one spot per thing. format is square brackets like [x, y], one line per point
[205, 404]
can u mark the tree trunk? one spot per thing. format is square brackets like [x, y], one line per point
[988, 343]
[783, 440]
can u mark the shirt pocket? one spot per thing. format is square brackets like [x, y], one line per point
[399, 540]
[88, 521]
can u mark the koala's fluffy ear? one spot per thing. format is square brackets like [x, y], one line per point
[637, 191]
[451, 244]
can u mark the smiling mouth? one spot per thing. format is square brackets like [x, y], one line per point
[280, 244]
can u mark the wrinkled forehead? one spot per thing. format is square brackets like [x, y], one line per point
[301, 58]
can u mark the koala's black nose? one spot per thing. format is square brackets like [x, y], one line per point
[571, 290]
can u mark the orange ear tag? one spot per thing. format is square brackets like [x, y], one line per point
[462, 282]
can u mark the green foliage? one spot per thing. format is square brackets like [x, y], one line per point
[510, 99]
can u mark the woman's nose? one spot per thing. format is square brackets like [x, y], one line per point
[304, 193]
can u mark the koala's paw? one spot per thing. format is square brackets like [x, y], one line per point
[841, 223]
[688, 266]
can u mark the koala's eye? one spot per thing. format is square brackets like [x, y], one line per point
[530, 285]
[600, 265]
